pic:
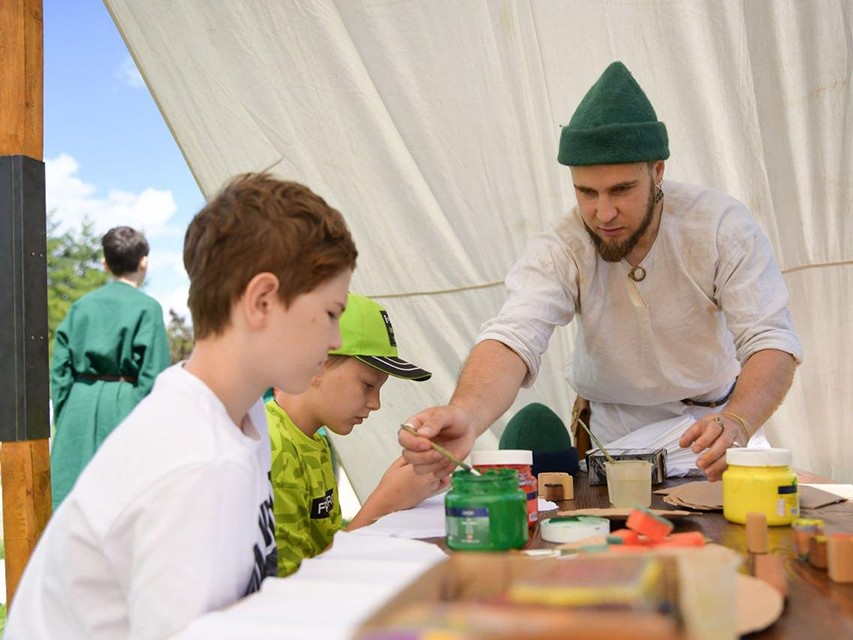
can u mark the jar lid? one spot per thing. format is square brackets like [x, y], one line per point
[502, 456]
[759, 457]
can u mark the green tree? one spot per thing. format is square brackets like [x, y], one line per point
[180, 336]
[73, 269]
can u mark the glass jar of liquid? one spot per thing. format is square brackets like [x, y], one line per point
[486, 512]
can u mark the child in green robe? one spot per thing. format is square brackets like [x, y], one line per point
[106, 354]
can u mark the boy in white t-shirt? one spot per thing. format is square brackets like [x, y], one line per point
[172, 518]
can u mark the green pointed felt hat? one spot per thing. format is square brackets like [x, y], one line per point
[614, 124]
[538, 429]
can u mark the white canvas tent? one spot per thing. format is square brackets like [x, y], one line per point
[433, 126]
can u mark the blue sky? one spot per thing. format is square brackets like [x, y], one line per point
[108, 153]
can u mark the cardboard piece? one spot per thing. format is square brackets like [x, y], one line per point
[708, 496]
[700, 495]
[843, 491]
[704, 582]
[614, 513]
[814, 498]
[758, 604]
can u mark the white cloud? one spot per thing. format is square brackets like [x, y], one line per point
[129, 73]
[174, 299]
[167, 281]
[70, 200]
[166, 265]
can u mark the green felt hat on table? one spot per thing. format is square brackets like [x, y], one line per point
[538, 429]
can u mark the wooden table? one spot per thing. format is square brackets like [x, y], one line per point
[816, 607]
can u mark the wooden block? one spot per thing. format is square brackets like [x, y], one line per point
[839, 557]
[556, 486]
[817, 552]
[756, 532]
[770, 568]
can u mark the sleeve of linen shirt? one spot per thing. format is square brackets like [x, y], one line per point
[542, 292]
[750, 289]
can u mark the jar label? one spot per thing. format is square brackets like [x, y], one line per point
[532, 508]
[788, 503]
[467, 526]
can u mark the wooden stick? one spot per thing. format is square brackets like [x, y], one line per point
[595, 440]
[437, 447]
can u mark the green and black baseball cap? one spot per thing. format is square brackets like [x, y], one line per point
[367, 334]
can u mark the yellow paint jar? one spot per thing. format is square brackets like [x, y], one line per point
[760, 480]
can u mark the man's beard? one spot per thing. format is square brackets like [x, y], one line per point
[616, 251]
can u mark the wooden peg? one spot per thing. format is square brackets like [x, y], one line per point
[756, 532]
[817, 552]
[839, 557]
[770, 568]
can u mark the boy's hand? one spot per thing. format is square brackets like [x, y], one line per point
[448, 426]
[399, 488]
[404, 489]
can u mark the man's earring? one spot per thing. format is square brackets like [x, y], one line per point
[658, 192]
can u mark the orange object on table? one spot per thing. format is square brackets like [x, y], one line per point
[686, 539]
[649, 524]
[624, 537]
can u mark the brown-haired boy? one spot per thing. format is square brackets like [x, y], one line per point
[173, 516]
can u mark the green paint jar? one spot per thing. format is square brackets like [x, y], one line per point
[486, 512]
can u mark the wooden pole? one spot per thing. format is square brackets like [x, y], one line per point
[24, 465]
[21, 79]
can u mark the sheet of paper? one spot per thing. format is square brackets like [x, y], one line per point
[666, 434]
[360, 545]
[423, 521]
[546, 505]
[328, 597]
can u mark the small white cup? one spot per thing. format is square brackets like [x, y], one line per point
[629, 483]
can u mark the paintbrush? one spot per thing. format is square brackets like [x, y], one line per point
[442, 451]
[595, 440]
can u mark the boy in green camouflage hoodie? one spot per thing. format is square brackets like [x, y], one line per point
[305, 495]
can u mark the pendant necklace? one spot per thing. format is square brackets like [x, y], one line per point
[637, 274]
